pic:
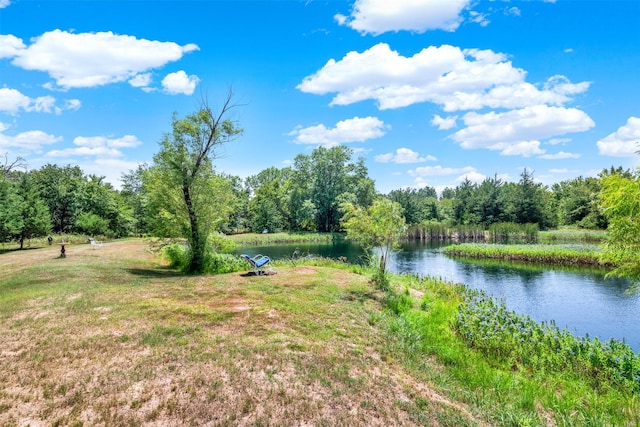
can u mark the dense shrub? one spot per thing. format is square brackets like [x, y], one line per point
[179, 256]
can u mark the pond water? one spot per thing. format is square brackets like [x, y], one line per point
[581, 300]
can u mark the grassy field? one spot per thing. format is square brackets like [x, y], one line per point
[111, 337]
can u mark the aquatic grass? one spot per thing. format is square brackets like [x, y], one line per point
[567, 255]
[567, 235]
[505, 232]
[275, 238]
[431, 230]
[513, 370]
[487, 325]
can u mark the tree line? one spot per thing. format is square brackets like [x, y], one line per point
[303, 197]
[182, 195]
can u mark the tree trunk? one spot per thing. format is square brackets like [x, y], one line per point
[197, 245]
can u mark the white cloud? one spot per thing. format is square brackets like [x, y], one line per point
[556, 141]
[127, 141]
[456, 79]
[4, 3]
[439, 171]
[179, 83]
[625, 142]
[403, 155]
[97, 146]
[85, 151]
[112, 169]
[479, 18]
[444, 123]
[12, 101]
[473, 176]
[522, 148]
[140, 80]
[518, 132]
[72, 104]
[351, 130]
[10, 46]
[31, 141]
[513, 11]
[380, 16]
[92, 59]
[560, 156]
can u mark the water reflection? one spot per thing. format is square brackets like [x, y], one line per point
[581, 300]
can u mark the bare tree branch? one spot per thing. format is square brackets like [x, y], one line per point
[7, 167]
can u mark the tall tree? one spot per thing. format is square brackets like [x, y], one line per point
[269, 207]
[302, 208]
[417, 204]
[322, 181]
[36, 220]
[487, 203]
[531, 203]
[59, 188]
[185, 162]
[97, 198]
[621, 202]
[577, 202]
[134, 195]
[462, 214]
[11, 221]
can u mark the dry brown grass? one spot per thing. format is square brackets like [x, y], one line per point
[110, 337]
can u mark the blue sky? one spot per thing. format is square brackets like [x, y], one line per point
[428, 92]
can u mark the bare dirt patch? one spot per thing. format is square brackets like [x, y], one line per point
[231, 305]
[305, 270]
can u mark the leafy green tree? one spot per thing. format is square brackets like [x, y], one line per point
[487, 202]
[59, 188]
[418, 205]
[92, 224]
[239, 220]
[462, 213]
[98, 197]
[185, 164]
[325, 179]
[531, 204]
[36, 220]
[330, 166]
[577, 202]
[621, 201]
[302, 209]
[265, 215]
[135, 197]
[269, 206]
[11, 221]
[380, 226]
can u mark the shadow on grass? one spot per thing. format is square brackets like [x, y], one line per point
[155, 273]
[362, 296]
[8, 250]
